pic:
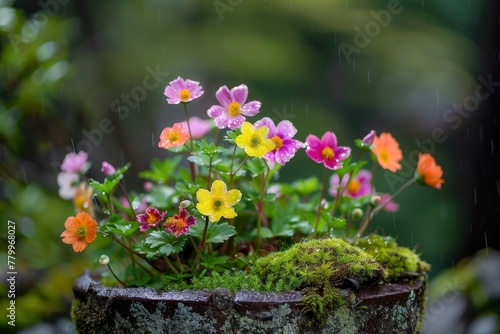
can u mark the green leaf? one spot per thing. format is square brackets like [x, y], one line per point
[216, 233]
[338, 223]
[213, 261]
[119, 226]
[209, 149]
[160, 243]
[106, 188]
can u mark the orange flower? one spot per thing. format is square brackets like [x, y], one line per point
[386, 148]
[80, 231]
[428, 171]
[173, 137]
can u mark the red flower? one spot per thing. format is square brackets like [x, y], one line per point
[179, 224]
[150, 219]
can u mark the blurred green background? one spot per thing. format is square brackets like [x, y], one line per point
[348, 66]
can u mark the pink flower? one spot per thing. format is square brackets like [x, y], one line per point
[368, 139]
[107, 168]
[173, 137]
[360, 185]
[388, 205]
[74, 163]
[179, 223]
[199, 127]
[180, 90]
[233, 109]
[326, 151]
[282, 136]
[150, 219]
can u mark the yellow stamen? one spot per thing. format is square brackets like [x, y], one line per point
[81, 231]
[233, 109]
[384, 156]
[217, 204]
[174, 136]
[327, 153]
[254, 141]
[184, 95]
[278, 142]
[353, 186]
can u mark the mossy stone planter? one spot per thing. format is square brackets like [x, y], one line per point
[384, 308]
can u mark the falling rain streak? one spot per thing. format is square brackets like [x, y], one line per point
[475, 196]
[368, 75]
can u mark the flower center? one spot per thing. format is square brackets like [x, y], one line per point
[184, 95]
[278, 142]
[254, 141]
[173, 136]
[177, 223]
[327, 153]
[384, 155]
[81, 231]
[233, 109]
[217, 203]
[353, 186]
[152, 219]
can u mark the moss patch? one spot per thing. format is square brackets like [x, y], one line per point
[394, 259]
[317, 267]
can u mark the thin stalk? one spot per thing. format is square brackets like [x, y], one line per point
[318, 213]
[192, 166]
[170, 265]
[116, 277]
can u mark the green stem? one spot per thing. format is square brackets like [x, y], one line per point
[372, 212]
[116, 277]
[382, 205]
[204, 236]
[192, 166]
[170, 265]
[318, 213]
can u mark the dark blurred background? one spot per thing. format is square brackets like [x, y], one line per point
[426, 71]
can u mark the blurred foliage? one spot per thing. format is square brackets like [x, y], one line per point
[67, 65]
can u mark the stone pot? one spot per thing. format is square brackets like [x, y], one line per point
[385, 308]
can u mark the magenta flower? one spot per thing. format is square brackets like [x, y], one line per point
[360, 185]
[151, 218]
[326, 151]
[368, 139]
[282, 136]
[199, 127]
[233, 109]
[180, 90]
[74, 163]
[388, 205]
[107, 168]
[179, 223]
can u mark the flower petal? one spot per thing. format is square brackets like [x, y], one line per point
[329, 139]
[219, 188]
[240, 93]
[233, 196]
[223, 95]
[251, 108]
[285, 129]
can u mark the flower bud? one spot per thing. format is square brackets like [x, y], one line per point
[368, 139]
[185, 203]
[357, 214]
[375, 200]
[107, 168]
[104, 260]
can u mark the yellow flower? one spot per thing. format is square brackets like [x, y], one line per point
[218, 202]
[254, 141]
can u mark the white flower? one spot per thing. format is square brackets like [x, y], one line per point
[68, 182]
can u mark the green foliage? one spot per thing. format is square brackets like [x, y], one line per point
[161, 171]
[394, 259]
[160, 243]
[216, 232]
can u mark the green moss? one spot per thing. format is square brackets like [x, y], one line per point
[316, 267]
[318, 263]
[394, 259]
